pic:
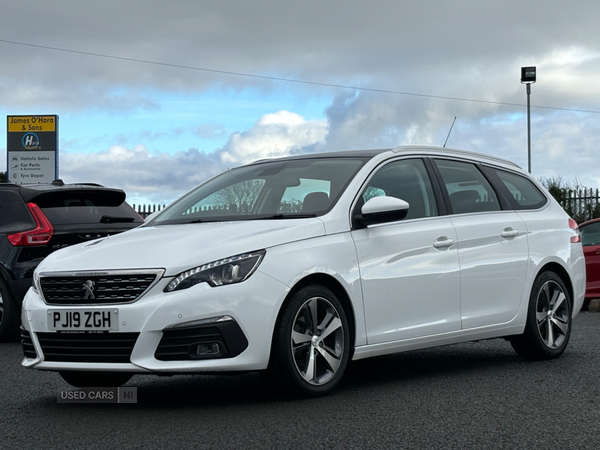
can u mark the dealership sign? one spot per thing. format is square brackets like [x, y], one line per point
[32, 149]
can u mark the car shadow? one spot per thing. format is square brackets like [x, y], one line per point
[447, 361]
[373, 374]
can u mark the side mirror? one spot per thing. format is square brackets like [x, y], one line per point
[381, 209]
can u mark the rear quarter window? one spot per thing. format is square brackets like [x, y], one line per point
[524, 192]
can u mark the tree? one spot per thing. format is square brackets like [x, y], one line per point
[558, 188]
[240, 197]
[2, 177]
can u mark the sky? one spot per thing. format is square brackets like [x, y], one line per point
[155, 97]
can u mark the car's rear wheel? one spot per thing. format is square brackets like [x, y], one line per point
[311, 343]
[9, 313]
[95, 379]
[548, 326]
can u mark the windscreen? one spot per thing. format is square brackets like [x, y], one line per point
[271, 190]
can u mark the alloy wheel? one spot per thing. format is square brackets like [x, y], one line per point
[317, 341]
[552, 314]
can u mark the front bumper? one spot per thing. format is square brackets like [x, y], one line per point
[165, 332]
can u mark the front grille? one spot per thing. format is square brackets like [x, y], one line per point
[179, 344]
[27, 343]
[105, 289]
[88, 347]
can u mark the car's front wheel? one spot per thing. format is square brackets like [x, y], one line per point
[95, 379]
[548, 326]
[311, 343]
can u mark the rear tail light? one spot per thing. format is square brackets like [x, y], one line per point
[40, 235]
[573, 226]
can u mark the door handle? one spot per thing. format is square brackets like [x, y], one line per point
[443, 242]
[509, 232]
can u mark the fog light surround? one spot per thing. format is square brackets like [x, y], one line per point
[200, 339]
[207, 350]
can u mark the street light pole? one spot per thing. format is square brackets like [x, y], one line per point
[528, 129]
[528, 78]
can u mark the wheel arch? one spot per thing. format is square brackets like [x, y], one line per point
[564, 276]
[340, 292]
[4, 273]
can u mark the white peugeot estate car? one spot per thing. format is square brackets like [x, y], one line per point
[295, 266]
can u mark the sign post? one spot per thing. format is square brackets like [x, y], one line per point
[528, 76]
[32, 149]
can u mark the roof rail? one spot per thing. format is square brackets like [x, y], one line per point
[456, 152]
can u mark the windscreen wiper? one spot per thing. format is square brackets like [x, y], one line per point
[283, 216]
[116, 219]
[265, 217]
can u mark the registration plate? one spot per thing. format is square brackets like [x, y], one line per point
[83, 320]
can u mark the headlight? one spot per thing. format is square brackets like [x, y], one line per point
[36, 282]
[217, 273]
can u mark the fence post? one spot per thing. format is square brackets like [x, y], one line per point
[580, 201]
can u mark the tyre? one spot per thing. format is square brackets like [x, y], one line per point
[548, 326]
[311, 344]
[95, 379]
[9, 314]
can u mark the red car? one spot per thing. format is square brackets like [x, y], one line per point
[590, 237]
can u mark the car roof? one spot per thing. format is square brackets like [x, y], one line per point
[369, 153]
[405, 149]
[30, 191]
[453, 152]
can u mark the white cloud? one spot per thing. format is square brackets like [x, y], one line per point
[145, 177]
[274, 135]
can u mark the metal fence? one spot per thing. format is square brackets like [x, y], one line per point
[582, 204]
[146, 210]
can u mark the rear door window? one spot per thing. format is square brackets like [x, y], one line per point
[468, 190]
